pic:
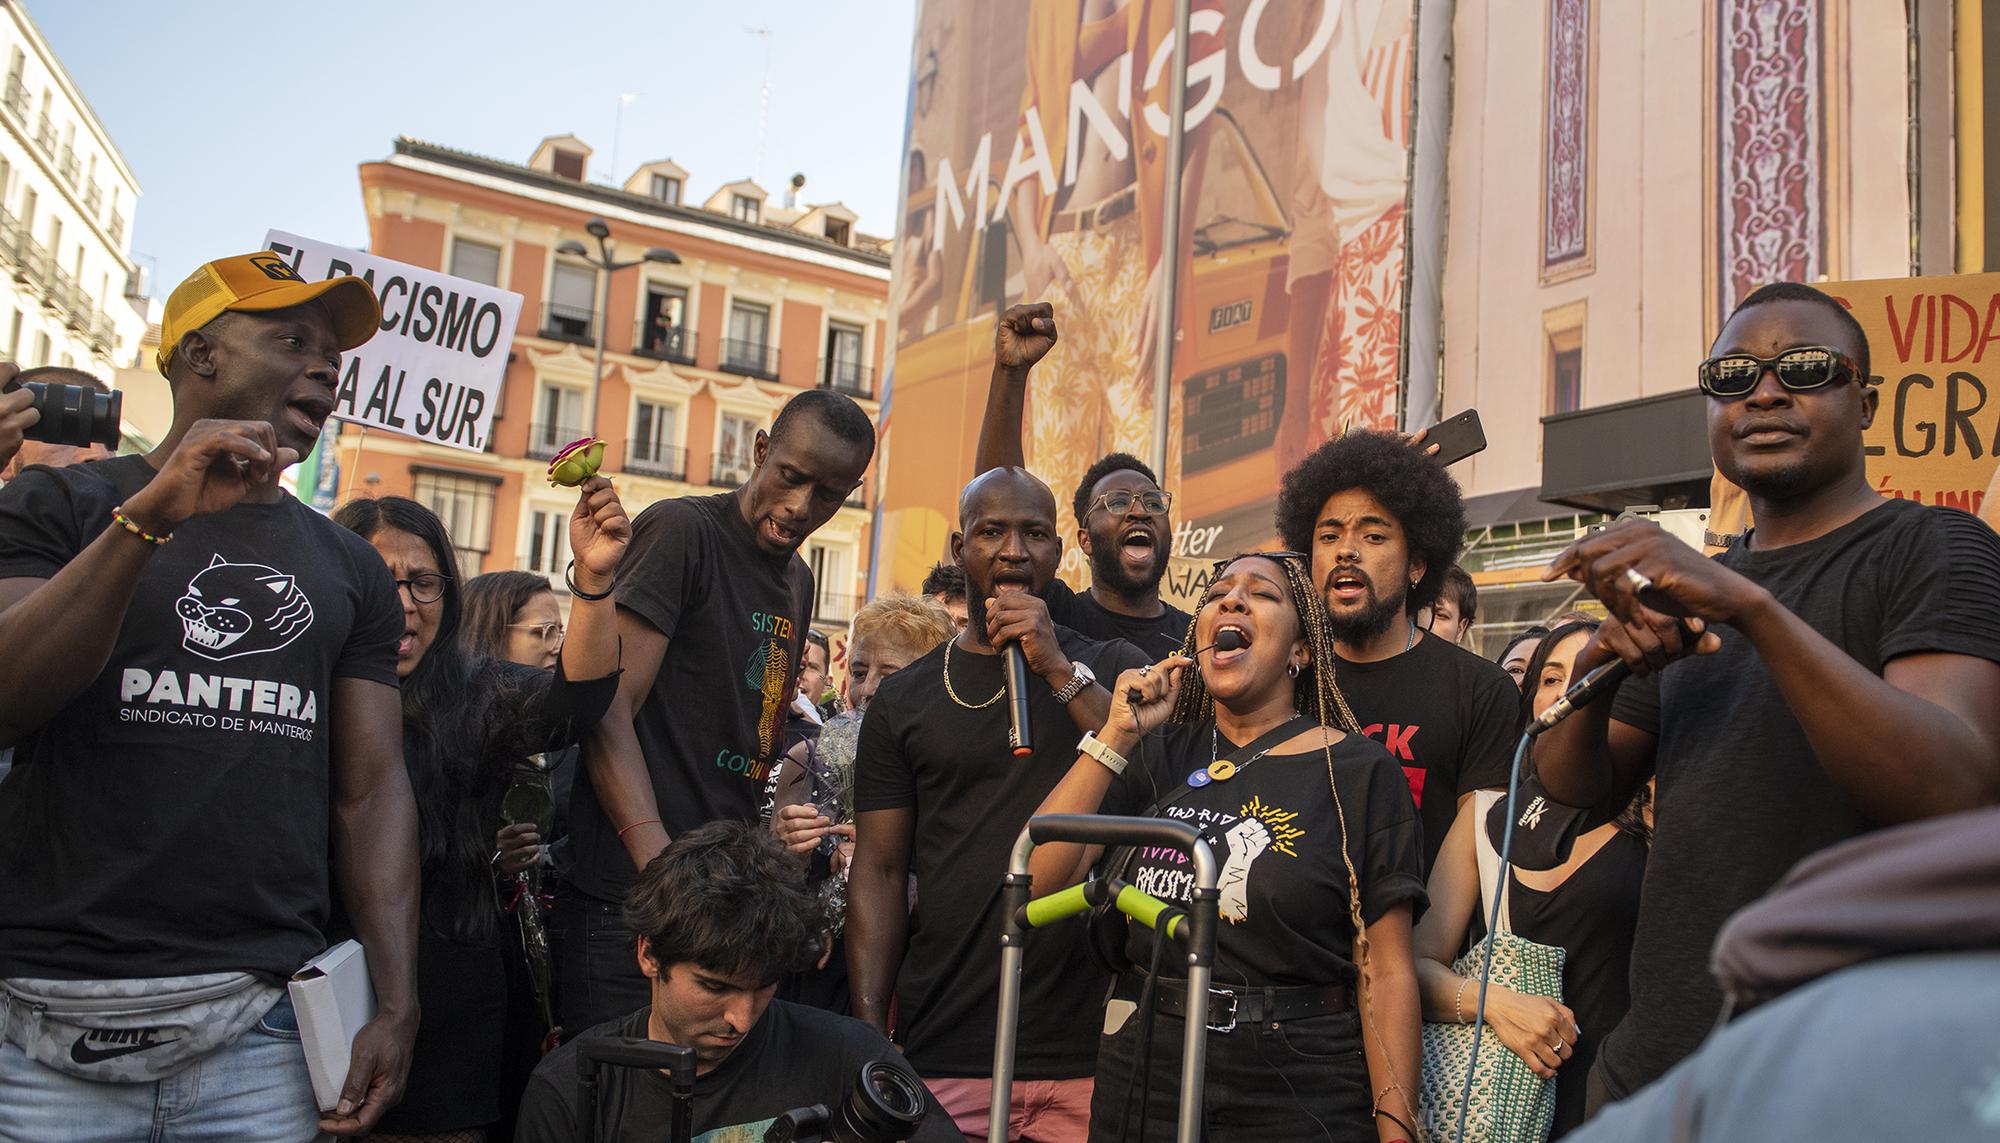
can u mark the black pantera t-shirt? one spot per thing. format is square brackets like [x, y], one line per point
[1158, 637]
[1740, 795]
[172, 818]
[921, 751]
[794, 1057]
[1449, 718]
[1274, 828]
[735, 620]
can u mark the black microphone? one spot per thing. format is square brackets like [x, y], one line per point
[1227, 639]
[1015, 664]
[1577, 697]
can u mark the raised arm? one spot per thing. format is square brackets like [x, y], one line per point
[1021, 337]
[611, 754]
[598, 535]
[374, 835]
[878, 910]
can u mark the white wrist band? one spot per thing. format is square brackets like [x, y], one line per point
[1095, 747]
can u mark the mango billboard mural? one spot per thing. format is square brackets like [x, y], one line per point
[1034, 170]
[1934, 348]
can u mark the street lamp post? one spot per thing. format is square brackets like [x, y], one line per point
[606, 265]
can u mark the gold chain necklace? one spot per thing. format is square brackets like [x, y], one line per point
[997, 695]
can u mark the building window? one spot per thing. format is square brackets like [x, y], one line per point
[558, 420]
[735, 450]
[746, 208]
[833, 597]
[663, 332]
[42, 349]
[747, 348]
[1562, 359]
[572, 302]
[837, 230]
[655, 431]
[465, 504]
[568, 165]
[843, 370]
[475, 261]
[29, 200]
[667, 189]
[548, 541]
[14, 337]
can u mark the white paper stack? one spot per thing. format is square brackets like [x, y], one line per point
[332, 998]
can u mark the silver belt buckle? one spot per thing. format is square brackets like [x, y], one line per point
[1231, 996]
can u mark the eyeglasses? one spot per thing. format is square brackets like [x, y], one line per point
[546, 632]
[1119, 503]
[425, 588]
[1807, 367]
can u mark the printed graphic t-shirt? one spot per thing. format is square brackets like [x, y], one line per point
[1158, 637]
[735, 620]
[794, 1057]
[921, 751]
[1740, 796]
[1274, 829]
[1449, 718]
[172, 819]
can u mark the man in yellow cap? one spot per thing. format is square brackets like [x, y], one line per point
[199, 676]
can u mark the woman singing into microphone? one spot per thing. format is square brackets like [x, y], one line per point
[1313, 1014]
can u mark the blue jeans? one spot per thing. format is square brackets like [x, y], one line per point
[255, 1090]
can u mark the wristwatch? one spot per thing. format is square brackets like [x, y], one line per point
[1095, 747]
[1079, 682]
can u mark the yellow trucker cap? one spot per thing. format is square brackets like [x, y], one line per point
[252, 283]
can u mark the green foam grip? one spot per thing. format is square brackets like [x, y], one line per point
[1056, 906]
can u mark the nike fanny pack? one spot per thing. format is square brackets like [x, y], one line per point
[130, 1031]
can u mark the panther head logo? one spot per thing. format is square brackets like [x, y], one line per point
[232, 610]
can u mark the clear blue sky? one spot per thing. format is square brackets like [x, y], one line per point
[238, 116]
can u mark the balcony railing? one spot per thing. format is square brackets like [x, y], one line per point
[664, 342]
[45, 134]
[545, 440]
[650, 458]
[117, 228]
[72, 170]
[16, 98]
[93, 198]
[835, 607]
[729, 472]
[567, 323]
[750, 358]
[846, 376]
[103, 336]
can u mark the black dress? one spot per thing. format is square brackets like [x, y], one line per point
[1591, 916]
[462, 984]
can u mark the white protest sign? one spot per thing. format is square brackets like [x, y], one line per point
[434, 369]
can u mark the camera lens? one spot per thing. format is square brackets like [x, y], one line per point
[75, 415]
[886, 1105]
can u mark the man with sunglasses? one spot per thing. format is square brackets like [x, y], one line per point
[1122, 524]
[1835, 670]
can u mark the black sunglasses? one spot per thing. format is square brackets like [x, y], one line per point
[1798, 370]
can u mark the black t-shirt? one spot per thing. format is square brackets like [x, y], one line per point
[919, 750]
[1449, 718]
[1740, 795]
[794, 1057]
[1158, 637]
[1274, 829]
[172, 819]
[735, 620]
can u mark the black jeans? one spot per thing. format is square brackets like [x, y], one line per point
[1302, 1079]
[597, 964]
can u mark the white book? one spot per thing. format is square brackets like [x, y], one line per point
[332, 997]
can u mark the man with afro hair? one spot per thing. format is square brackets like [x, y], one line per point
[1382, 524]
[1122, 521]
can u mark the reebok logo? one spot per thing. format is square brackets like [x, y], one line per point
[120, 1043]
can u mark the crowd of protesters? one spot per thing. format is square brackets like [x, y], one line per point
[243, 732]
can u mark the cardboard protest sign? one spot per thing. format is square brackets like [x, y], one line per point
[1934, 349]
[434, 369]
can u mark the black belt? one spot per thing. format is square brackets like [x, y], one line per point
[1227, 1007]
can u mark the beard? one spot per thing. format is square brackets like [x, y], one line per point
[1375, 616]
[1108, 569]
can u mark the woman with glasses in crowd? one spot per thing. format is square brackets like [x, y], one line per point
[1313, 1014]
[1585, 905]
[468, 721]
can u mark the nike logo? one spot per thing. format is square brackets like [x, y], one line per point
[122, 1044]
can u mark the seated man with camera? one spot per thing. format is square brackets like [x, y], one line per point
[722, 915]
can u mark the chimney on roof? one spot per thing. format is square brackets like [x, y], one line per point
[792, 192]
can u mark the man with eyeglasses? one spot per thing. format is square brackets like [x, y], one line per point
[1122, 522]
[1835, 670]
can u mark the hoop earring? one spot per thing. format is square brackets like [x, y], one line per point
[1292, 670]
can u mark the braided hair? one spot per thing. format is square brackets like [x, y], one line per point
[1317, 695]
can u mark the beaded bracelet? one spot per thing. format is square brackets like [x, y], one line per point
[1458, 1001]
[570, 579]
[119, 517]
